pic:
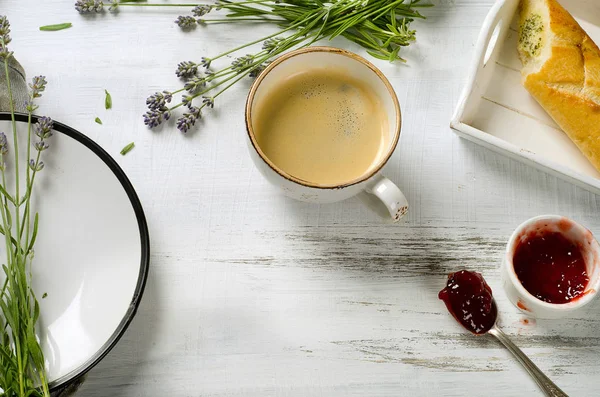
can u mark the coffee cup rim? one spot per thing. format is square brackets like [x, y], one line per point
[332, 50]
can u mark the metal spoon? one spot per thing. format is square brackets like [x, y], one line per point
[547, 386]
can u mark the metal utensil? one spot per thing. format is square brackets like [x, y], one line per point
[547, 386]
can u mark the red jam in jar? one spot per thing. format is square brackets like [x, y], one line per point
[469, 299]
[550, 267]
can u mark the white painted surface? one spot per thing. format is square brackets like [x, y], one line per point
[253, 294]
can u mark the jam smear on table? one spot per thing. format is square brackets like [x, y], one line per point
[550, 267]
[469, 299]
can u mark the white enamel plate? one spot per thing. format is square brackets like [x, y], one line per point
[91, 253]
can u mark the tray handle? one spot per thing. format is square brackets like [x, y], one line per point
[495, 25]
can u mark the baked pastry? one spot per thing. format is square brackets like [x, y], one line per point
[561, 70]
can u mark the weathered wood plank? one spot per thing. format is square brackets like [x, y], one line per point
[252, 294]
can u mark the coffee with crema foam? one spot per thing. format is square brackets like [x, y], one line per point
[322, 126]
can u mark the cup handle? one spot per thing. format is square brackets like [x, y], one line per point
[389, 194]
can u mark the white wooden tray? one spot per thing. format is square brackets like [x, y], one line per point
[498, 113]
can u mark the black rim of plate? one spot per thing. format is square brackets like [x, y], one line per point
[144, 239]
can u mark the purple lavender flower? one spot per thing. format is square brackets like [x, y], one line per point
[186, 100]
[242, 63]
[43, 127]
[3, 144]
[272, 44]
[185, 22]
[4, 37]
[202, 10]
[159, 100]
[40, 146]
[4, 29]
[257, 70]
[194, 84]
[153, 118]
[36, 166]
[38, 85]
[86, 6]
[186, 122]
[30, 106]
[186, 69]
[205, 62]
[208, 101]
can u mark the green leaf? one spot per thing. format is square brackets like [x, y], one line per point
[394, 54]
[34, 233]
[25, 197]
[107, 101]
[378, 55]
[97, 120]
[9, 220]
[8, 314]
[127, 148]
[34, 346]
[44, 295]
[36, 312]
[7, 195]
[59, 26]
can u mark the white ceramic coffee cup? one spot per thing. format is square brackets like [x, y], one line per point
[575, 233]
[373, 182]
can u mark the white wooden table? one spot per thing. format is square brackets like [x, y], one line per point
[253, 294]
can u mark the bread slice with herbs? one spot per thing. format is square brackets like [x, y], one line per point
[561, 70]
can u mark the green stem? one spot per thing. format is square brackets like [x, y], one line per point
[16, 150]
[7, 227]
[29, 184]
[27, 204]
[7, 234]
[136, 4]
[19, 365]
[258, 41]
[204, 91]
[44, 383]
[255, 19]
[16, 332]
[141, 4]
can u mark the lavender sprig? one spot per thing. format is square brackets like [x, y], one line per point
[186, 22]
[159, 100]
[154, 117]
[21, 354]
[208, 101]
[3, 150]
[3, 144]
[37, 86]
[258, 70]
[4, 38]
[88, 6]
[195, 84]
[36, 166]
[380, 26]
[185, 122]
[204, 61]
[202, 10]
[186, 69]
[272, 43]
[241, 63]
[40, 146]
[43, 127]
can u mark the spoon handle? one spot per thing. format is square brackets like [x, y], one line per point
[547, 386]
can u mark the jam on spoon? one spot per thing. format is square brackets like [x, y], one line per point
[550, 267]
[469, 299]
